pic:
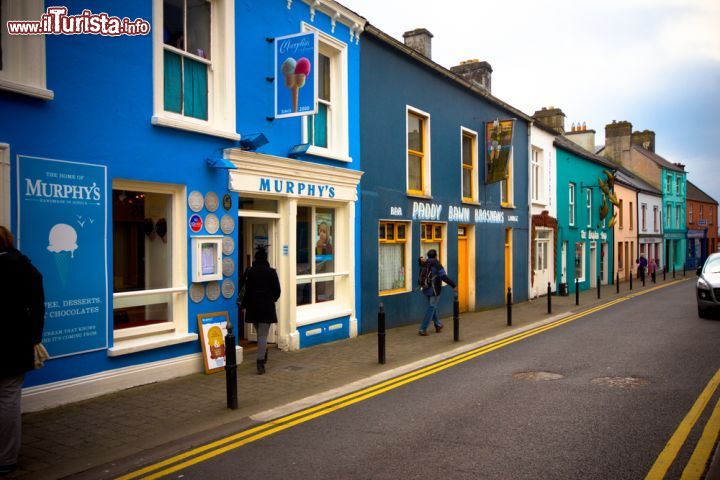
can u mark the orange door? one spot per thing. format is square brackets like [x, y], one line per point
[463, 277]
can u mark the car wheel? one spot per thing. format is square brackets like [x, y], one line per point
[702, 313]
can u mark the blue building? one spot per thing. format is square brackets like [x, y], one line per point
[139, 172]
[424, 187]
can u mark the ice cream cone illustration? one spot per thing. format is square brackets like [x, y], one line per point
[63, 243]
[288, 70]
[302, 69]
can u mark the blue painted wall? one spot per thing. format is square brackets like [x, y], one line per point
[101, 115]
[390, 81]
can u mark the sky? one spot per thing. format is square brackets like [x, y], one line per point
[654, 63]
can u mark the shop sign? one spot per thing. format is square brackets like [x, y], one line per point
[498, 150]
[296, 69]
[62, 228]
[426, 211]
[702, 223]
[243, 182]
[513, 218]
[432, 211]
[304, 189]
[396, 211]
[195, 222]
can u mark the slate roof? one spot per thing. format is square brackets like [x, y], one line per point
[694, 193]
[658, 159]
[628, 179]
[573, 147]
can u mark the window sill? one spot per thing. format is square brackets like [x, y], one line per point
[471, 202]
[29, 90]
[508, 206]
[126, 347]
[539, 203]
[387, 293]
[320, 313]
[326, 153]
[181, 124]
[419, 195]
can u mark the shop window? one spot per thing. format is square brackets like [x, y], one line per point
[580, 261]
[469, 165]
[393, 256]
[571, 204]
[194, 71]
[327, 130]
[22, 57]
[315, 267]
[149, 248]
[431, 237]
[418, 153]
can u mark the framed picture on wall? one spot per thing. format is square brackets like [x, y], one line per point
[213, 328]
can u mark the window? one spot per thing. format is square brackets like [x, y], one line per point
[537, 175]
[22, 57]
[690, 213]
[620, 255]
[655, 218]
[327, 130]
[643, 215]
[393, 256]
[580, 261]
[571, 203]
[678, 180]
[542, 241]
[431, 237]
[677, 216]
[710, 215]
[620, 207]
[315, 255]
[418, 153]
[668, 214]
[700, 217]
[149, 259]
[588, 206]
[506, 186]
[469, 165]
[194, 66]
[631, 216]
[668, 186]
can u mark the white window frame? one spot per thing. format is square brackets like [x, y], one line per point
[338, 126]
[571, 204]
[220, 74]
[24, 65]
[407, 255]
[537, 192]
[668, 187]
[146, 337]
[690, 213]
[677, 216]
[643, 216]
[656, 213]
[677, 185]
[474, 183]
[427, 163]
[588, 206]
[508, 183]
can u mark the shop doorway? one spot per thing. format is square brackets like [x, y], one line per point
[254, 233]
[463, 273]
[593, 264]
[604, 263]
[543, 259]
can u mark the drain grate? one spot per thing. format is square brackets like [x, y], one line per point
[620, 382]
[537, 376]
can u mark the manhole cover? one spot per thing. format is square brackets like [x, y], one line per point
[537, 376]
[620, 382]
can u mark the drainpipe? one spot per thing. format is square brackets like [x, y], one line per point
[529, 206]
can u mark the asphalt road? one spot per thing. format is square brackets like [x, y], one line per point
[616, 385]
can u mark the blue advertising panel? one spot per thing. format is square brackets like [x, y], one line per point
[62, 228]
[296, 74]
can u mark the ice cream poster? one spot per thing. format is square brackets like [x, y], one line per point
[213, 328]
[498, 149]
[296, 75]
[62, 228]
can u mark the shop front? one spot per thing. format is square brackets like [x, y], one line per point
[304, 215]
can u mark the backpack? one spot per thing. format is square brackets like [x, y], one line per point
[426, 278]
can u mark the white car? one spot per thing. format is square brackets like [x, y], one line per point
[708, 285]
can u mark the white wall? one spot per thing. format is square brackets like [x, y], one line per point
[651, 201]
[544, 141]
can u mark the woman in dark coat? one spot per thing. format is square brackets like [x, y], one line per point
[23, 303]
[262, 290]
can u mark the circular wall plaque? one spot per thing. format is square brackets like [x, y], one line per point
[195, 201]
[227, 224]
[228, 267]
[211, 201]
[212, 223]
[195, 222]
[227, 201]
[228, 245]
[228, 288]
[212, 291]
[197, 292]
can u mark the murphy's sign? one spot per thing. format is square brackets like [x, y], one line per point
[290, 187]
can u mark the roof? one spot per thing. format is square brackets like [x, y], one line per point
[658, 159]
[379, 34]
[573, 147]
[694, 193]
[628, 179]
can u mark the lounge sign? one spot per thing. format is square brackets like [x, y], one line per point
[296, 65]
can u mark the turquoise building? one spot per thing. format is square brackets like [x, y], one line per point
[674, 188]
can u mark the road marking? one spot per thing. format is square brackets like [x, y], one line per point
[218, 447]
[699, 460]
[669, 453]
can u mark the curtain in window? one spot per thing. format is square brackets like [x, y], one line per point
[427, 246]
[391, 267]
[195, 80]
[173, 82]
[321, 126]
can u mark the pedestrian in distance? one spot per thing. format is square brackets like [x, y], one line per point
[23, 302]
[642, 265]
[652, 269]
[262, 290]
[432, 276]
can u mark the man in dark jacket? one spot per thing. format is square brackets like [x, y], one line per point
[432, 292]
[23, 303]
[262, 290]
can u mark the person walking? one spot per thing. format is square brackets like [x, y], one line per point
[642, 265]
[262, 290]
[652, 268]
[23, 302]
[434, 276]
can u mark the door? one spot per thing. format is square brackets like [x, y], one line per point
[563, 263]
[463, 274]
[543, 251]
[259, 232]
[508, 260]
[604, 263]
[593, 264]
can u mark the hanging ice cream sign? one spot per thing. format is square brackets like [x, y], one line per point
[296, 86]
[62, 228]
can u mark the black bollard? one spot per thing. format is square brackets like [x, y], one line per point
[456, 318]
[509, 307]
[664, 272]
[630, 280]
[617, 282]
[654, 278]
[598, 286]
[673, 271]
[683, 270]
[549, 295]
[577, 292]
[231, 368]
[381, 334]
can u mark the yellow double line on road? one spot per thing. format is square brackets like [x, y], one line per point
[210, 450]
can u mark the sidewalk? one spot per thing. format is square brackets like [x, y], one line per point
[155, 420]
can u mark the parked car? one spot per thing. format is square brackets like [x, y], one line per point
[708, 285]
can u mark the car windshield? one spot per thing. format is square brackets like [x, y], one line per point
[712, 265]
